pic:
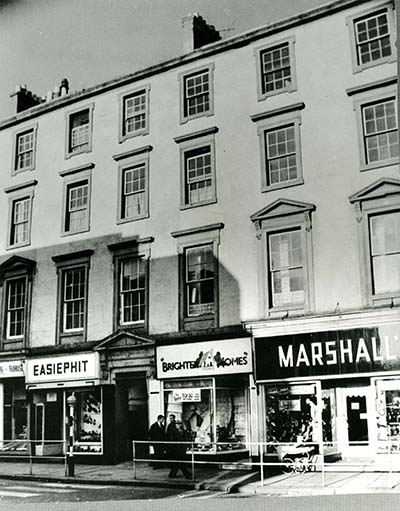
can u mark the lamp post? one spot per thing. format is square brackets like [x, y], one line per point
[71, 402]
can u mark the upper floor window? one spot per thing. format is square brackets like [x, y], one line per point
[381, 139]
[79, 131]
[385, 252]
[134, 113]
[16, 280]
[77, 207]
[131, 282]
[16, 304]
[198, 175]
[377, 208]
[133, 178]
[25, 145]
[73, 277]
[372, 35]
[276, 70]
[199, 292]
[197, 93]
[20, 221]
[132, 290]
[199, 280]
[279, 132]
[376, 113]
[286, 270]
[20, 214]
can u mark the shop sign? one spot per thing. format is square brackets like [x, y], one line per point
[82, 366]
[11, 369]
[186, 395]
[361, 350]
[204, 358]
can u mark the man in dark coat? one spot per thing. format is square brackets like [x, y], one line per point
[177, 451]
[157, 434]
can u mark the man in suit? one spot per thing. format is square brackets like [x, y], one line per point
[157, 434]
[177, 451]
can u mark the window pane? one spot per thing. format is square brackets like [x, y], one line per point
[281, 155]
[197, 94]
[286, 268]
[200, 280]
[275, 69]
[16, 300]
[372, 38]
[24, 150]
[74, 291]
[135, 112]
[199, 182]
[133, 290]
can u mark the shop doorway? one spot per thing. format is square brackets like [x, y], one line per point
[131, 416]
[357, 409]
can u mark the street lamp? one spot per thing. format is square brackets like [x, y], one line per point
[71, 402]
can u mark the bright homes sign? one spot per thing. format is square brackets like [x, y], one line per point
[361, 350]
[204, 358]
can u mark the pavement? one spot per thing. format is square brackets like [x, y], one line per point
[336, 480]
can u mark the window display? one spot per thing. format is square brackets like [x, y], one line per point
[212, 410]
[88, 423]
[291, 414]
[15, 418]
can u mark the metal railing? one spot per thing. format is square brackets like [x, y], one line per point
[31, 450]
[291, 458]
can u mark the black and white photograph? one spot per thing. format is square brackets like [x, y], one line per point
[199, 255]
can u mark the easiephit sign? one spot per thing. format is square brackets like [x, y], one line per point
[204, 358]
[361, 350]
[82, 366]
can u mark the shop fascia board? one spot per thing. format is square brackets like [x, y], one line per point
[340, 321]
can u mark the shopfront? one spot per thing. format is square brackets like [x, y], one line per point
[13, 407]
[337, 387]
[50, 381]
[206, 386]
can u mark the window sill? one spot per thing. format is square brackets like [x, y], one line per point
[19, 245]
[263, 97]
[198, 205]
[387, 299]
[387, 60]
[287, 184]
[128, 220]
[21, 171]
[379, 164]
[288, 310]
[75, 153]
[184, 120]
[199, 322]
[123, 138]
[71, 233]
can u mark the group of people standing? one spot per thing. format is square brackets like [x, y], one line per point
[169, 454]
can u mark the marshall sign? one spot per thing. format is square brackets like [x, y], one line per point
[361, 350]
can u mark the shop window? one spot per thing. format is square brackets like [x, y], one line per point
[287, 273]
[73, 276]
[88, 421]
[213, 411]
[378, 221]
[15, 418]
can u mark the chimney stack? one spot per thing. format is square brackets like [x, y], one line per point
[197, 32]
[25, 98]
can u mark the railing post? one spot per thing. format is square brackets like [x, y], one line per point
[323, 466]
[192, 456]
[66, 457]
[30, 461]
[134, 458]
[261, 445]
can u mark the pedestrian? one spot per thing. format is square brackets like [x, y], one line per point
[177, 451]
[157, 434]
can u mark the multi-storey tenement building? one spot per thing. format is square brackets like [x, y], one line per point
[217, 236]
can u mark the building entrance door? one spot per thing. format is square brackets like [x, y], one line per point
[357, 409]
